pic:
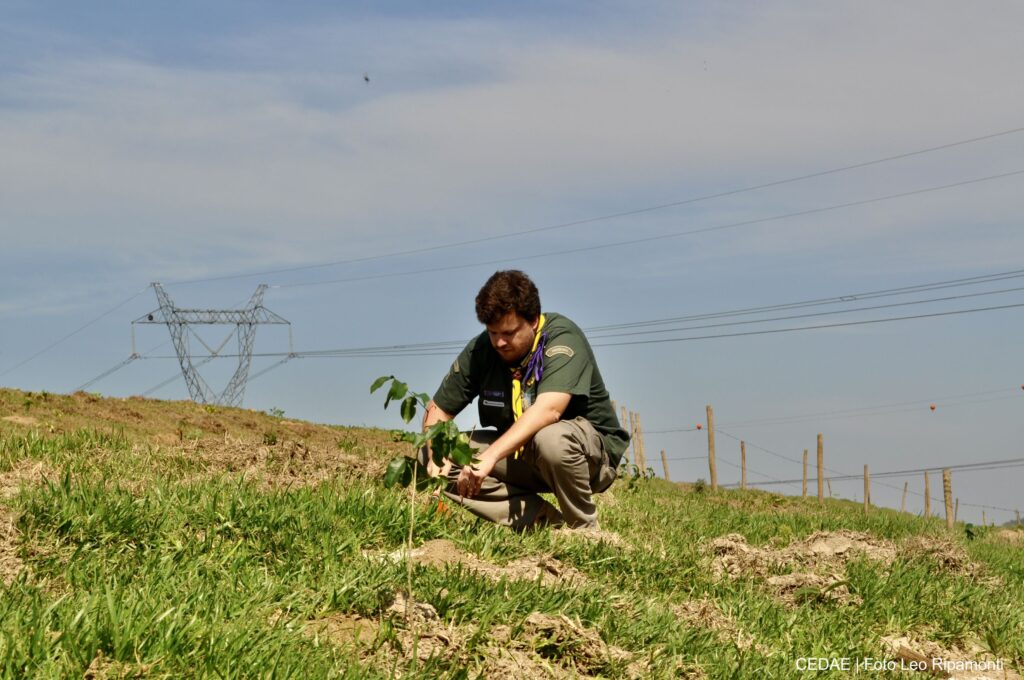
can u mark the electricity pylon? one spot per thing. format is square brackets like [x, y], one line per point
[244, 320]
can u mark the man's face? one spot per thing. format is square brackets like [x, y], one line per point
[512, 337]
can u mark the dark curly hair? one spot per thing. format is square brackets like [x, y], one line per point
[507, 291]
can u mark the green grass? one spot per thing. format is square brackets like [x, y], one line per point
[135, 567]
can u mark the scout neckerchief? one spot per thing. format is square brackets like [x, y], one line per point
[528, 372]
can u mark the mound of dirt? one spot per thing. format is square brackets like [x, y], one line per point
[557, 640]
[815, 564]
[949, 556]
[1012, 536]
[734, 557]
[441, 553]
[972, 662]
[593, 535]
[544, 646]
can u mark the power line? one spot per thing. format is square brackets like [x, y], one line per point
[948, 298]
[437, 348]
[660, 237]
[398, 351]
[850, 297]
[73, 333]
[107, 372]
[610, 216]
[861, 411]
[810, 328]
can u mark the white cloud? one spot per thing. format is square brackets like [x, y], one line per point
[261, 165]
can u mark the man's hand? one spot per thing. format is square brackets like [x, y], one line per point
[433, 414]
[433, 470]
[472, 476]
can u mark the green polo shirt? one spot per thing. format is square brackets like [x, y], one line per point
[569, 367]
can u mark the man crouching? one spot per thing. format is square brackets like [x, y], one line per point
[539, 386]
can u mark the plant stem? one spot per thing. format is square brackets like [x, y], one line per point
[408, 545]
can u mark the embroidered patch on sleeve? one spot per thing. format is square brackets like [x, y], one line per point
[559, 349]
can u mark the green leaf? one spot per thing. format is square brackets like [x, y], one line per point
[409, 408]
[461, 453]
[424, 398]
[438, 457]
[380, 381]
[397, 391]
[397, 471]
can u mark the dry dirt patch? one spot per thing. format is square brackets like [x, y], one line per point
[10, 564]
[816, 564]
[25, 472]
[949, 556]
[1012, 536]
[441, 553]
[28, 421]
[971, 662]
[290, 463]
[734, 557]
[704, 613]
[543, 647]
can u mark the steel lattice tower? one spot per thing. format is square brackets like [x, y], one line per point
[245, 321]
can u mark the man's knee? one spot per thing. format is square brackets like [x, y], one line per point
[553, 442]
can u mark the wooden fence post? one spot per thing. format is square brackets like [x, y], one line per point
[743, 465]
[927, 497]
[867, 489]
[805, 475]
[821, 468]
[1018, 517]
[829, 482]
[903, 503]
[956, 509]
[664, 465]
[947, 496]
[984, 520]
[712, 466]
[643, 448]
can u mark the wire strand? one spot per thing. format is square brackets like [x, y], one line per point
[609, 216]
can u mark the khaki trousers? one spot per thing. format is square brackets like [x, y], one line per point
[566, 459]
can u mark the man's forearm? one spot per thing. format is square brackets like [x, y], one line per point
[433, 415]
[532, 421]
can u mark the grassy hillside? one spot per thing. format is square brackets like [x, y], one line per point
[141, 538]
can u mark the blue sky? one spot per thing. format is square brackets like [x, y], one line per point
[184, 142]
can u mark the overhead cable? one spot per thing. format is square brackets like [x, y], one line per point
[73, 333]
[610, 216]
[659, 237]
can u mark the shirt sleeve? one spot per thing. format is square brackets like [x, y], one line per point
[459, 387]
[567, 366]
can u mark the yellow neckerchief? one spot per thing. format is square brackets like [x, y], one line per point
[517, 379]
